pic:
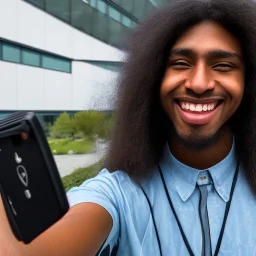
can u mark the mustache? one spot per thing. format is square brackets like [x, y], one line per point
[192, 94]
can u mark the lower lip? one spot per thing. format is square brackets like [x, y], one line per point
[197, 117]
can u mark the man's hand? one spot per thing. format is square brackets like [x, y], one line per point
[82, 231]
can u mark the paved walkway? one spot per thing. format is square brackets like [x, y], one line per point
[68, 163]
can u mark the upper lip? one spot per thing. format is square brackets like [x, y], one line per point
[199, 101]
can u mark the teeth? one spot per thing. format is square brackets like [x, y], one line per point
[197, 107]
[192, 107]
[205, 107]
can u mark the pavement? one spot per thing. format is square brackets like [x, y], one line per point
[68, 163]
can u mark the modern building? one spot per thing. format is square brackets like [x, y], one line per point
[63, 55]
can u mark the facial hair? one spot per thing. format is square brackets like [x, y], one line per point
[196, 141]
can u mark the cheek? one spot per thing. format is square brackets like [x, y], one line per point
[236, 91]
[169, 83]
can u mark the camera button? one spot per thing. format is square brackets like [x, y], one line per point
[28, 194]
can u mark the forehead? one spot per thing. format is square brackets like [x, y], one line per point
[208, 35]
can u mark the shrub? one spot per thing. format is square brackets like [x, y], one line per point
[80, 175]
[64, 126]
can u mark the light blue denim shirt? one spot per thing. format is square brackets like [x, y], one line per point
[132, 220]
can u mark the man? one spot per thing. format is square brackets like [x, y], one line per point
[181, 174]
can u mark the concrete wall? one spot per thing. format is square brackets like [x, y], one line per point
[30, 88]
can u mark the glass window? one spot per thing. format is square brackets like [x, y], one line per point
[114, 14]
[150, 8]
[114, 32]
[59, 8]
[100, 27]
[30, 57]
[38, 3]
[102, 7]
[117, 1]
[113, 66]
[126, 21]
[93, 3]
[159, 2]
[127, 5]
[140, 9]
[10, 52]
[56, 63]
[81, 17]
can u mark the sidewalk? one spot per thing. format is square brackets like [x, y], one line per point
[68, 163]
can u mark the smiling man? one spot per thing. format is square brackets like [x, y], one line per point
[202, 88]
[180, 175]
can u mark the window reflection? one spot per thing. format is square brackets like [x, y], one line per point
[30, 57]
[13, 52]
[105, 20]
[58, 8]
[10, 52]
[55, 63]
[114, 14]
[102, 6]
[38, 3]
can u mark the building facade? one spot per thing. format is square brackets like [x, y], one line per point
[63, 55]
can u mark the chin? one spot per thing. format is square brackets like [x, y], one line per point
[197, 140]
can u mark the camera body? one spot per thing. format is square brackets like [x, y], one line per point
[30, 185]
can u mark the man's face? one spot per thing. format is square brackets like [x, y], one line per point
[204, 82]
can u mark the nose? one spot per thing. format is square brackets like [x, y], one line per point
[199, 79]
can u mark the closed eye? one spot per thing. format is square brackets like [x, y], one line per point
[180, 65]
[223, 67]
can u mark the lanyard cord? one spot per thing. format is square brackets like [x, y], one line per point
[227, 210]
[225, 215]
[174, 213]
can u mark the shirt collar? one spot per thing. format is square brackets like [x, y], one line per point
[184, 177]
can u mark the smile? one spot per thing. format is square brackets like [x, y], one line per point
[198, 113]
[198, 107]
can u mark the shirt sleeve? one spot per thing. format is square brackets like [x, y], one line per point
[102, 190]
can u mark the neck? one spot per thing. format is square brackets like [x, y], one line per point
[203, 159]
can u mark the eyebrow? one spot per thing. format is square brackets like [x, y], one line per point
[212, 54]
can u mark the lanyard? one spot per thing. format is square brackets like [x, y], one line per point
[225, 214]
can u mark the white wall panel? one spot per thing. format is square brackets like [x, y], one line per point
[8, 19]
[58, 37]
[31, 25]
[22, 22]
[8, 86]
[58, 91]
[94, 87]
[30, 88]
[87, 47]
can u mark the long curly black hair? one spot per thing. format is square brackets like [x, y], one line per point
[140, 131]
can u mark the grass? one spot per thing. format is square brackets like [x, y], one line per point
[77, 177]
[63, 146]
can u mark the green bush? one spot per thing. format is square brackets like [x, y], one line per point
[77, 177]
[64, 126]
[88, 123]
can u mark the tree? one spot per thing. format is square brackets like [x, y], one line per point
[89, 122]
[63, 126]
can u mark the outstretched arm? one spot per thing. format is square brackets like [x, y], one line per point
[81, 232]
